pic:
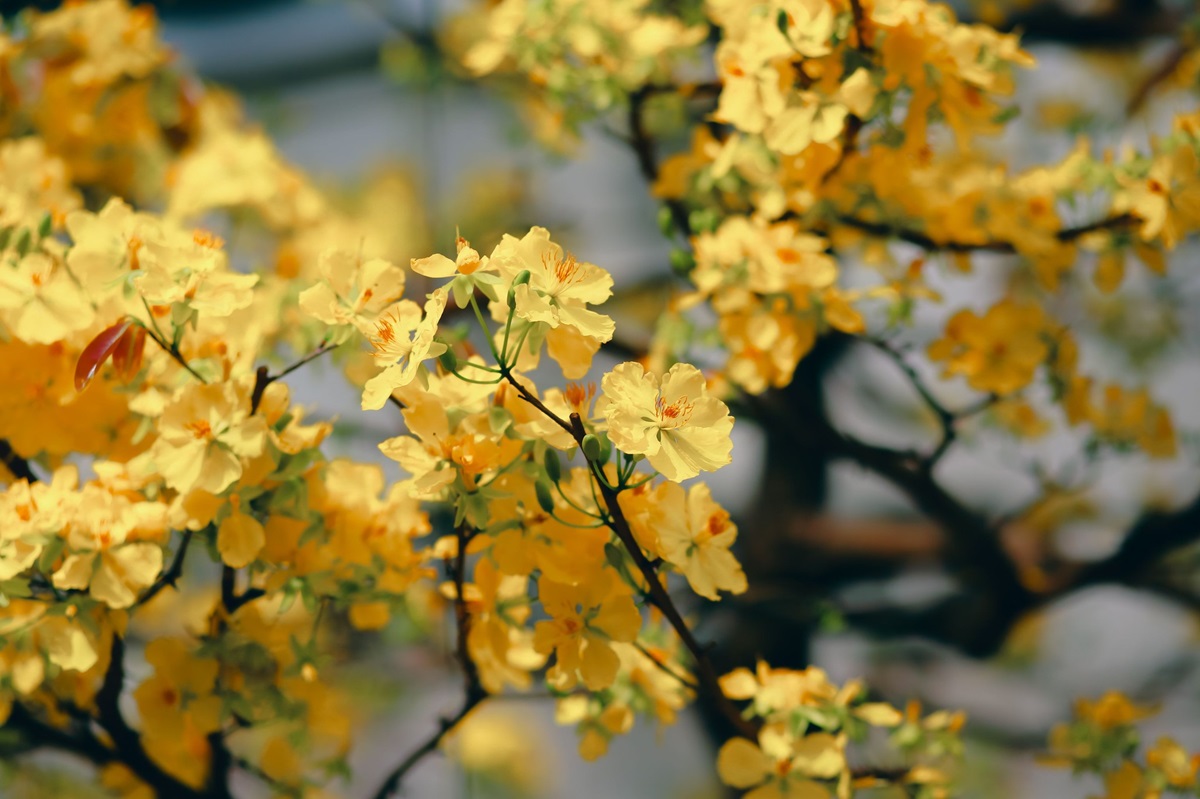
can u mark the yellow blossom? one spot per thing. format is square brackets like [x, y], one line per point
[998, 352]
[672, 421]
[695, 534]
[782, 765]
[584, 619]
[402, 338]
[205, 432]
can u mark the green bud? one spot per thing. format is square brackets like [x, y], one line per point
[606, 449]
[666, 221]
[521, 279]
[544, 498]
[553, 468]
[682, 262]
[614, 556]
[448, 360]
[23, 242]
[5, 235]
[591, 447]
[705, 221]
[781, 22]
[45, 226]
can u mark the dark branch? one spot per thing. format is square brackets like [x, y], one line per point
[885, 230]
[473, 691]
[172, 574]
[15, 463]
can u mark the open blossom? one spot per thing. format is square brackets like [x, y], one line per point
[673, 422]
[204, 435]
[782, 765]
[352, 290]
[402, 338]
[559, 289]
[695, 534]
[584, 621]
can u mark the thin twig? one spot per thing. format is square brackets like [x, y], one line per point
[473, 691]
[1165, 69]
[888, 230]
[171, 575]
[264, 378]
[644, 149]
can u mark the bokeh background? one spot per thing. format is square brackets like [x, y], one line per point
[357, 94]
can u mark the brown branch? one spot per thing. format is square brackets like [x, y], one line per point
[392, 782]
[171, 575]
[947, 419]
[860, 25]
[644, 149]
[706, 674]
[231, 600]
[264, 378]
[973, 545]
[1165, 69]
[886, 230]
[127, 743]
[1152, 538]
[1124, 24]
[15, 463]
[473, 691]
[37, 734]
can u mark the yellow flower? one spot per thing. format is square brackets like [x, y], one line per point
[402, 337]
[193, 270]
[695, 534]
[1173, 761]
[998, 352]
[352, 291]
[559, 289]
[39, 300]
[32, 182]
[1112, 710]
[584, 619]
[469, 270]
[1167, 199]
[673, 422]
[205, 432]
[108, 245]
[782, 765]
[240, 537]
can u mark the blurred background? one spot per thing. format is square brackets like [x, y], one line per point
[358, 94]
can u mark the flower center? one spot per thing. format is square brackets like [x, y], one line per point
[207, 239]
[676, 414]
[200, 429]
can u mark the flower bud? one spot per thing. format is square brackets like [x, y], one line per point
[544, 498]
[553, 467]
[591, 447]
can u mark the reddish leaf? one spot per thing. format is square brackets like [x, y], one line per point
[127, 357]
[97, 352]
